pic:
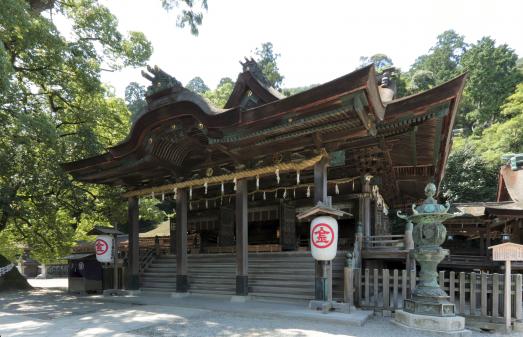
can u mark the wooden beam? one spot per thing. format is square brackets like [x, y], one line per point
[368, 123]
[182, 284]
[134, 243]
[242, 234]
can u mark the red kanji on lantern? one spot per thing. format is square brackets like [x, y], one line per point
[323, 235]
[100, 246]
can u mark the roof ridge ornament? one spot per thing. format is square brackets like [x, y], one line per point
[250, 65]
[160, 80]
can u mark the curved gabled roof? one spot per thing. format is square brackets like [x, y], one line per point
[182, 134]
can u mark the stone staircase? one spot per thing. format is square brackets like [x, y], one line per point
[286, 276]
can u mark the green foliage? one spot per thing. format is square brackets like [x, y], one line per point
[507, 136]
[381, 61]
[468, 176]
[54, 109]
[220, 95]
[197, 85]
[492, 77]
[189, 14]
[267, 59]
[135, 99]
[422, 80]
[443, 59]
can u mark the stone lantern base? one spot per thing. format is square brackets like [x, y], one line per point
[432, 325]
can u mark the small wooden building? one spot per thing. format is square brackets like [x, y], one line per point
[487, 223]
[239, 175]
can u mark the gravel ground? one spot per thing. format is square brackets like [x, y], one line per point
[53, 313]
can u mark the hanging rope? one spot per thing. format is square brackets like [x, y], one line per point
[232, 176]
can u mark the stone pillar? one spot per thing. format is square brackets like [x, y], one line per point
[182, 284]
[320, 194]
[133, 278]
[242, 242]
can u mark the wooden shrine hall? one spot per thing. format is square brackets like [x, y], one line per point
[239, 175]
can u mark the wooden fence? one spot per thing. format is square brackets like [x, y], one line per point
[474, 294]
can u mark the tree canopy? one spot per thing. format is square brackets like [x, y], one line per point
[55, 109]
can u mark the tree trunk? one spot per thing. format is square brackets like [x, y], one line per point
[13, 280]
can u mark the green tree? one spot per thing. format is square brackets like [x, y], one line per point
[220, 95]
[381, 61]
[492, 77]
[267, 60]
[135, 99]
[197, 85]
[507, 136]
[421, 80]
[469, 177]
[54, 109]
[444, 58]
[190, 13]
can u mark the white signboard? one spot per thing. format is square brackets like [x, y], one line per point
[507, 252]
[104, 248]
[324, 238]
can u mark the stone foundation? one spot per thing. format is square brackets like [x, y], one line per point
[433, 325]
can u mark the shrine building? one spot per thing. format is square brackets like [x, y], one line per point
[239, 175]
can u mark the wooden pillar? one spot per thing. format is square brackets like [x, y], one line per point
[366, 206]
[172, 236]
[133, 281]
[182, 284]
[482, 249]
[242, 242]
[320, 195]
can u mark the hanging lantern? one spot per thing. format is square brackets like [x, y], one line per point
[175, 191]
[337, 189]
[505, 237]
[163, 196]
[223, 188]
[353, 185]
[264, 196]
[277, 175]
[234, 181]
[190, 192]
[284, 193]
[294, 193]
[297, 177]
[205, 185]
[257, 182]
[308, 191]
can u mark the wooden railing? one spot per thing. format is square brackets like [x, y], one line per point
[474, 294]
[384, 241]
[146, 258]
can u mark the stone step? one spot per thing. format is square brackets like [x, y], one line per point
[159, 285]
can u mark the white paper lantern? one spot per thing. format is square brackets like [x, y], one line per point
[104, 248]
[324, 238]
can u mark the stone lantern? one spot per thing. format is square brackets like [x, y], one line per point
[429, 308]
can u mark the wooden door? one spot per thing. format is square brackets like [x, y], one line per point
[226, 227]
[287, 227]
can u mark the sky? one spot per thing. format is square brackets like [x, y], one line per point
[318, 40]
